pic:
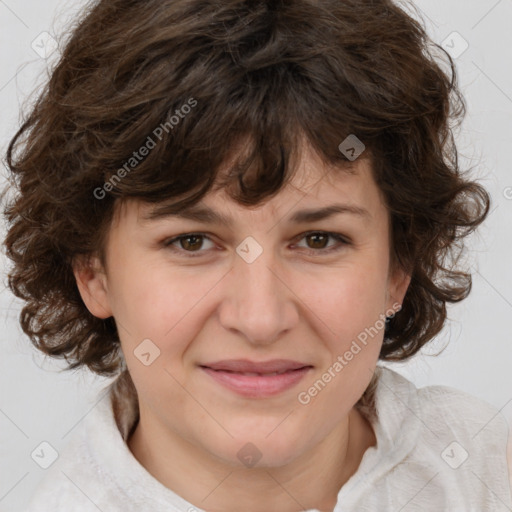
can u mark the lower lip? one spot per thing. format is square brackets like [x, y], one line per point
[258, 386]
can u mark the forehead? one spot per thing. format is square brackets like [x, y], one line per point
[314, 184]
[315, 193]
[307, 167]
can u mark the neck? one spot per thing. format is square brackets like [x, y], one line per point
[312, 480]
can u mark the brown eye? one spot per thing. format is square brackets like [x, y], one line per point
[188, 243]
[191, 242]
[317, 242]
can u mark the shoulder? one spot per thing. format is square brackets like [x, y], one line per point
[442, 408]
[465, 427]
[509, 457]
[77, 480]
[97, 471]
[461, 410]
[68, 482]
[451, 442]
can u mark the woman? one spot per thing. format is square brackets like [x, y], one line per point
[239, 208]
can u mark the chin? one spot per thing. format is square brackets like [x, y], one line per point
[259, 450]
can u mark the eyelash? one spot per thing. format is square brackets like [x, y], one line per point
[194, 254]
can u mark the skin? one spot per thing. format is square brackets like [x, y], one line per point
[288, 304]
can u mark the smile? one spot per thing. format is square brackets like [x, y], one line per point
[257, 380]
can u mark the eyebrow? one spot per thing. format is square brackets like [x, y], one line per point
[206, 215]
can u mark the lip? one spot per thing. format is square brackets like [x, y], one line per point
[257, 379]
[247, 366]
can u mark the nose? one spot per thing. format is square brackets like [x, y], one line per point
[257, 302]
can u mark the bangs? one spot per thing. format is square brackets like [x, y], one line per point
[248, 139]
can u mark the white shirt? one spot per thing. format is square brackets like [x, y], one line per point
[438, 449]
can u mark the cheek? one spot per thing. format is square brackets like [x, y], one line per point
[348, 314]
[348, 311]
[168, 308]
[144, 298]
[156, 312]
[347, 300]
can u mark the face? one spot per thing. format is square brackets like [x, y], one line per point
[225, 307]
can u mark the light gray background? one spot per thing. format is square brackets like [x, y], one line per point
[38, 402]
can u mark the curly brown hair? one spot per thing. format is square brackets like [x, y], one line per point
[267, 74]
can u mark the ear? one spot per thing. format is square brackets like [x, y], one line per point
[398, 284]
[92, 285]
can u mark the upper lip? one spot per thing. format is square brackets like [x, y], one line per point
[247, 366]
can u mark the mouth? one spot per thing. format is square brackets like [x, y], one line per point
[257, 380]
